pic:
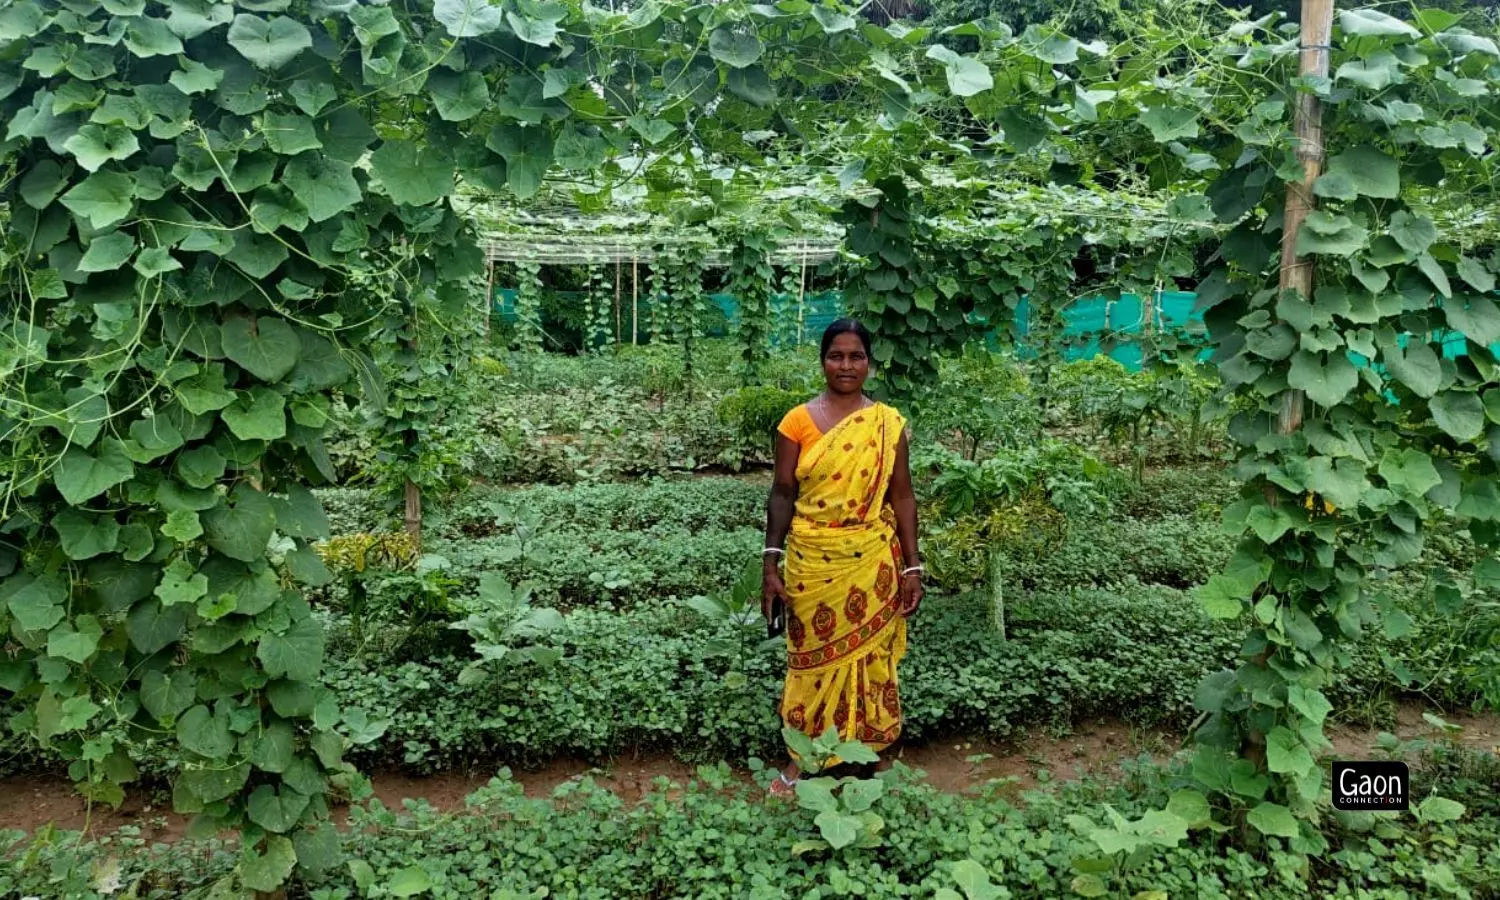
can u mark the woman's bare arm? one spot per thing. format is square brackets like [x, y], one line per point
[779, 509]
[904, 503]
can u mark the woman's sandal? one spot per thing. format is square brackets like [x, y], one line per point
[783, 787]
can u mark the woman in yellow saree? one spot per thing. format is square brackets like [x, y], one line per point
[841, 564]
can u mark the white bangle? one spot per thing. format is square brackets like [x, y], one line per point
[906, 572]
[773, 550]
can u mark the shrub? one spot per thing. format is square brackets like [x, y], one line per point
[754, 413]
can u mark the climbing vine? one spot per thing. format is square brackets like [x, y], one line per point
[530, 335]
[751, 279]
[217, 216]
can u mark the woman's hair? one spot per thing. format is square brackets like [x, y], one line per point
[845, 326]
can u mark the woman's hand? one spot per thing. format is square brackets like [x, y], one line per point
[911, 594]
[772, 590]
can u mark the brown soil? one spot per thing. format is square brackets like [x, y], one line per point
[1094, 749]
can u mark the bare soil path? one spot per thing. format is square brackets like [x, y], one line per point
[1092, 749]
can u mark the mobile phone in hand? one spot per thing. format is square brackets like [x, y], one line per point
[777, 623]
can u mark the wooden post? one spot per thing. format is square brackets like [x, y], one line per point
[617, 295]
[489, 295]
[414, 512]
[801, 293]
[1297, 274]
[635, 297]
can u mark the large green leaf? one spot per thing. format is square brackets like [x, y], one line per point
[297, 654]
[412, 174]
[1341, 481]
[1459, 413]
[737, 49]
[1327, 378]
[1285, 752]
[300, 514]
[102, 199]
[77, 641]
[259, 414]
[1310, 702]
[325, 186]
[468, 18]
[107, 252]
[1374, 22]
[147, 37]
[1273, 819]
[538, 23]
[1323, 232]
[966, 76]
[528, 154]
[241, 526]
[94, 145]
[1414, 233]
[831, 20]
[195, 77]
[1478, 277]
[181, 584]
[191, 18]
[255, 588]
[266, 347]
[1170, 123]
[36, 603]
[1435, 274]
[152, 626]
[752, 85]
[290, 134]
[81, 475]
[269, 44]
[318, 849]
[214, 782]
[1376, 73]
[1369, 171]
[167, 694]
[268, 871]
[1409, 472]
[257, 255]
[201, 467]
[1416, 366]
[275, 810]
[459, 96]
[273, 751]
[85, 535]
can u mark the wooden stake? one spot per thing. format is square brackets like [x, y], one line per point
[1297, 274]
[617, 295]
[489, 298]
[414, 512]
[635, 298]
[801, 293]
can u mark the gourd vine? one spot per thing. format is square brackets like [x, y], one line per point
[750, 280]
[530, 335]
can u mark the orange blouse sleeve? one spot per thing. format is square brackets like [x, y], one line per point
[798, 426]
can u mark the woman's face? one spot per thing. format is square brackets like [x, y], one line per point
[847, 365]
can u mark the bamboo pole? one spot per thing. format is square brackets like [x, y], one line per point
[801, 293]
[635, 298]
[617, 295]
[1297, 274]
[489, 298]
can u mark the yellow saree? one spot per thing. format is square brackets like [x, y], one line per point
[845, 634]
